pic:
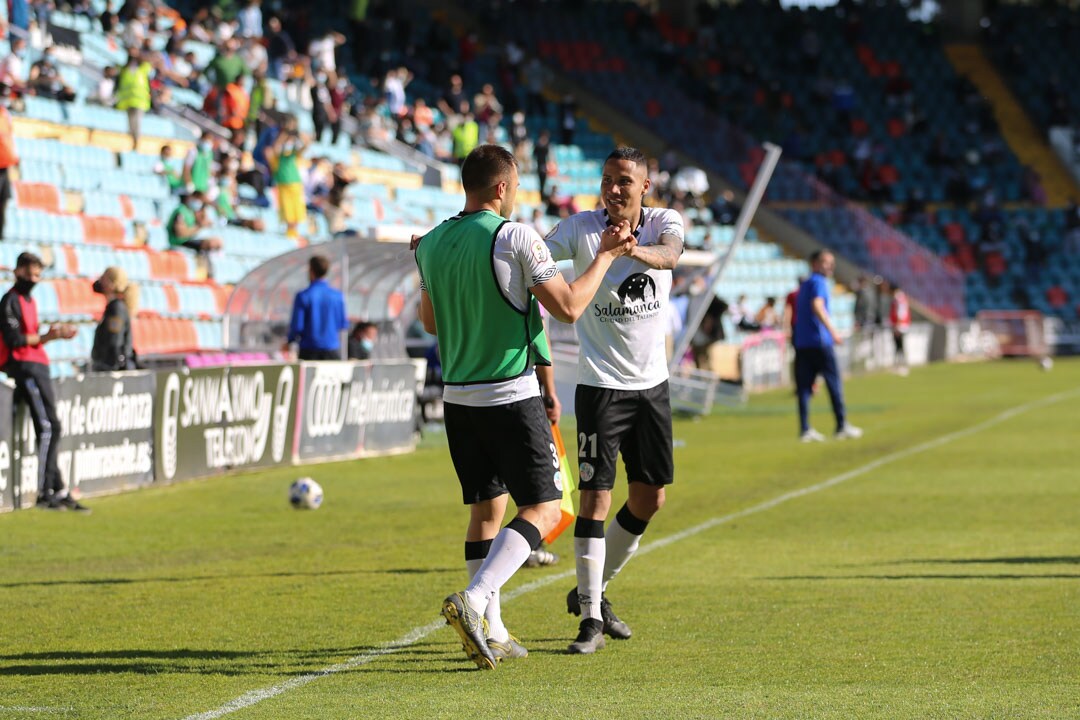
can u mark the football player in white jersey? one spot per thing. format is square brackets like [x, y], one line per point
[622, 401]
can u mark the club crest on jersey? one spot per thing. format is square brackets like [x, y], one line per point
[637, 300]
[637, 287]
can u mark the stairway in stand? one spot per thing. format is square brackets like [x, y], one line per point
[1030, 147]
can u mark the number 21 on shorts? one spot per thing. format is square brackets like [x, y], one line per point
[584, 441]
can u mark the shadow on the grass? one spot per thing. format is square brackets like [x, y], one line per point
[1019, 560]
[219, 578]
[931, 576]
[284, 662]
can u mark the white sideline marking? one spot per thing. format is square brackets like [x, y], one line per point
[416, 634]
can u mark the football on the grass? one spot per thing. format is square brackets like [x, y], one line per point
[305, 494]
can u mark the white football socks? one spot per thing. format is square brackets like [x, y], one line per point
[509, 551]
[621, 546]
[493, 613]
[589, 553]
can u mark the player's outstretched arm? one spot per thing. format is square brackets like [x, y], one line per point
[567, 301]
[664, 255]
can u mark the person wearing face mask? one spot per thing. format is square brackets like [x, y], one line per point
[282, 158]
[23, 358]
[133, 92]
[199, 165]
[13, 67]
[187, 221]
[362, 340]
[112, 348]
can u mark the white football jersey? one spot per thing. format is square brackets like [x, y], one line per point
[622, 333]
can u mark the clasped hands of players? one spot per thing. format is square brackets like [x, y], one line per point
[617, 239]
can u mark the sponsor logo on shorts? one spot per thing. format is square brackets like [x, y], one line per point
[558, 481]
[586, 470]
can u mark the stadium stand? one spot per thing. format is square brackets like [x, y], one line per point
[85, 200]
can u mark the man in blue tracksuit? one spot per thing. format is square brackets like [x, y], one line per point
[318, 316]
[814, 338]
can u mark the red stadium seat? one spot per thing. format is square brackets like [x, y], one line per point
[1057, 297]
[37, 196]
[102, 229]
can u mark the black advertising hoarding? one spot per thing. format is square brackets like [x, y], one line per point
[211, 420]
[7, 464]
[353, 409]
[106, 435]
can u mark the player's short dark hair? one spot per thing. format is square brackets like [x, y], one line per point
[28, 260]
[818, 254]
[629, 154]
[485, 166]
[319, 266]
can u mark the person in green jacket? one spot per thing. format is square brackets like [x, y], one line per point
[481, 277]
[133, 92]
[186, 223]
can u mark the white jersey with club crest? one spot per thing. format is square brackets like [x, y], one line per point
[622, 332]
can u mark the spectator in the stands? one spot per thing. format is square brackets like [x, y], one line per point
[322, 52]
[336, 206]
[187, 222]
[228, 66]
[254, 54]
[45, 79]
[362, 340]
[725, 211]
[559, 204]
[251, 20]
[283, 157]
[113, 350]
[323, 115]
[539, 223]
[394, 90]
[227, 197]
[466, 134]
[133, 92]
[9, 158]
[1034, 191]
[199, 165]
[766, 317]
[866, 303]
[486, 106]
[542, 158]
[13, 67]
[172, 171]
[740, 315]
[422, 116]
[262, 100]
[453, 97]
[281, 49]
[535, 77]
[567, 119]
[1035, 250]
[318, 316]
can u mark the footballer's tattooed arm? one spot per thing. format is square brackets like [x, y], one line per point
[663, 255]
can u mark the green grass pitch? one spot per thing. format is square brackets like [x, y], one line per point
[936, 576]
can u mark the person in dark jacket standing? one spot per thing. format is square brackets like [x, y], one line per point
[318, 315]
[23, 358]
[113, 339]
